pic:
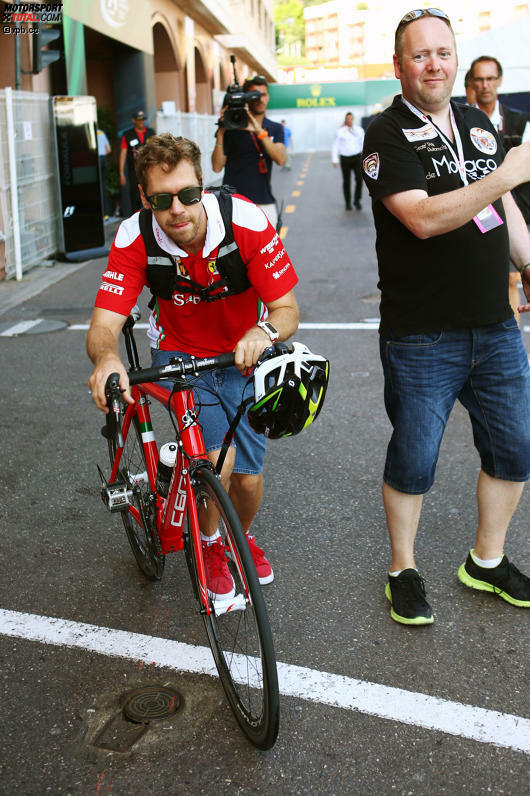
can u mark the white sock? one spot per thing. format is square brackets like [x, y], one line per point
[211, 539]
[399, 571]
[489, 563]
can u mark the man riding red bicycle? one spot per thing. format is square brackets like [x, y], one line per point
[215, 289]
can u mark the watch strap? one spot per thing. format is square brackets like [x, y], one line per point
[270, 330]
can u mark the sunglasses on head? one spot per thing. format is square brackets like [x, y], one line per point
[187, 196]
[421, 12]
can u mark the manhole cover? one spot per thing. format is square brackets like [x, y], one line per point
[151, 704]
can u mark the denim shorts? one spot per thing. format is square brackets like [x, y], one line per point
[219, 393]
[487, 370]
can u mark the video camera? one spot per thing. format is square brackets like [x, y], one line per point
[235, 116]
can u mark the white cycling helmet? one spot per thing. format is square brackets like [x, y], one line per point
[289, 390]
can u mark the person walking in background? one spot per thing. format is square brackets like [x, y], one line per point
[347, 148]
[447, 226]
[131, 141]
[287, 138]
[103, 151]
[513, 128]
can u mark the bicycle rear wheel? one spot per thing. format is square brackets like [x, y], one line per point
[139, 521]
[240, 638]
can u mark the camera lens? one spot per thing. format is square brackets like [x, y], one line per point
[235, 118]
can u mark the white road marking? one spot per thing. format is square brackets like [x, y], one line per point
[339, 326]
[395, 704]
[20, 328]
[369, 324]
[82, 327]
[327, 326]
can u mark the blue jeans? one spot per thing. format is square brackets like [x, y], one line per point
[487, 370]
[218, 394]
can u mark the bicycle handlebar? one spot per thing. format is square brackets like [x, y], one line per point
[180, 368]
[177, 368]
[174, 370]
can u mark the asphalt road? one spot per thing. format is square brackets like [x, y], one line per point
[322, 526]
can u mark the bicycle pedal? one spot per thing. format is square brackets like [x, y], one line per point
[117, 496]
[237, 603]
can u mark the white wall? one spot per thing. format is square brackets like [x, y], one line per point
[314, 130]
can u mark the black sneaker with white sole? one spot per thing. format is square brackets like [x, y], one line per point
[406, 593]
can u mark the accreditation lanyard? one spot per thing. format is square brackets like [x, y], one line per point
[457, 156]
[488, 218]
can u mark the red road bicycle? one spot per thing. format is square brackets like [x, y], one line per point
[238, 629]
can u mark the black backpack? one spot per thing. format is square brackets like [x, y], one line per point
[162, 273]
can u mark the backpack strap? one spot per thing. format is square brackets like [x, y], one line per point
[229, 262]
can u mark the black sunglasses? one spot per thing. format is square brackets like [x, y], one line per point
[421, 12]
[187, 196]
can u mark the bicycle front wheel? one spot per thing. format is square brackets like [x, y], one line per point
[139, 520]
[238, 630]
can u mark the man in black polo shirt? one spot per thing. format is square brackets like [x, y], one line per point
[447, 227]
[247, 155]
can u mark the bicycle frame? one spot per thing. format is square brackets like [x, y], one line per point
[171, 511]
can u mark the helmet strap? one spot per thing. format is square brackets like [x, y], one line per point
[229, 436]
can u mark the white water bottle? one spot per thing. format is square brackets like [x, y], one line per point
[166, 463]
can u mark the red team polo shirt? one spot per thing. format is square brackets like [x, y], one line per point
[184, 323]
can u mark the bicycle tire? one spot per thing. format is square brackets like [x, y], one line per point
[240, 640]
[142, 534]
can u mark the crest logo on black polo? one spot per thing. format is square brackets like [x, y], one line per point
[371, 165]
[483, 140]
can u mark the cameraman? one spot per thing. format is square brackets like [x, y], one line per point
[247, 154]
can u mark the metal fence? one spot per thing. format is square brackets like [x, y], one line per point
[28, 199]
[197, 127]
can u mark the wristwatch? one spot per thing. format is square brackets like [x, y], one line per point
[269, 329]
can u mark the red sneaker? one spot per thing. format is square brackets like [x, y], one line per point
[263, 568]
[219, 581]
